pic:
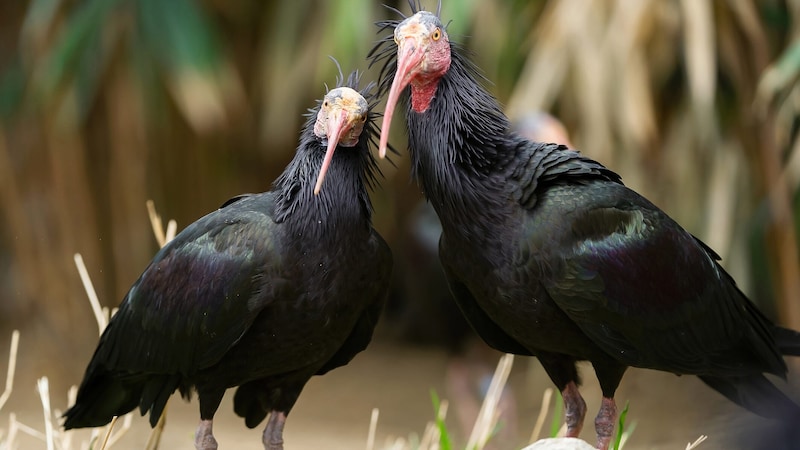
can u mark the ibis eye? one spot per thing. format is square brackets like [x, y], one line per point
[325, 104]
[437, 34]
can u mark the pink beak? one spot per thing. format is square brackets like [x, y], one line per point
[409, 56]
[337, 125]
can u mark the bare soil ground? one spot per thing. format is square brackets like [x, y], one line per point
[334, 411]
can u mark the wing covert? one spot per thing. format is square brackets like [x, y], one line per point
[195, 294]
[646, 291]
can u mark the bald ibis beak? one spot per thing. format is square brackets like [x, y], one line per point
[409, 57]
[338, 124]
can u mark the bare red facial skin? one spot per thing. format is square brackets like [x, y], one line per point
[423, 57]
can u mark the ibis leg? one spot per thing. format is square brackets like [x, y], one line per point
[273, 433]
[574, 409]
[604, 422]
[203, 437]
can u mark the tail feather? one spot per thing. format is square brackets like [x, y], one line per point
[156, 390]
[100, 398]
[788, 341]
[756, 394]
[103, 395]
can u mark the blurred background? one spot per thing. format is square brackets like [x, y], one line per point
[107, 103]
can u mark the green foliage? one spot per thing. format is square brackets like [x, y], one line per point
[444, 435]
[12, 89]
[558, 409]
[457, 14]
[621, 426]
[78, 55]
[167, 39]
[623, 432]
[177, 34]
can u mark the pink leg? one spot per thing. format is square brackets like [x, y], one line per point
[203, 437]
[574, 409]
[273, 433]
[604, 423]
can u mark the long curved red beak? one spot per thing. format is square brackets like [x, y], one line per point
[337, 124]
[409, 56]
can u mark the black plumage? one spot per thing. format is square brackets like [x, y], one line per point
[549, 254]
[263, 293]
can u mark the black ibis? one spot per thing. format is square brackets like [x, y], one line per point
[548, 254]
[263, 293]
[421, 310]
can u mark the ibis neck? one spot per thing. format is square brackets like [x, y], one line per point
[341, 206]
[461, 153]
[422, 94]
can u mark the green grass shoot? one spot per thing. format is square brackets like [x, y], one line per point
[444, 436]
[555, 424]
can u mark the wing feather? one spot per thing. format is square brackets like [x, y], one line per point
[648, 292]
[200, 293]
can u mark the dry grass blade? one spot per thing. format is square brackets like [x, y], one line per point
[487, 417]
[172, 228]
[43, 386]
[155, 436]
[127, 420]
[155, 221]
[430, 438]
[66, 438]
[108, 432]
[12, 431]
[16, 426]
[697, 442]
[12, 367]
[396, 444]
[162, 237]
[537, 428]
[373, 426]
[99, 313]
